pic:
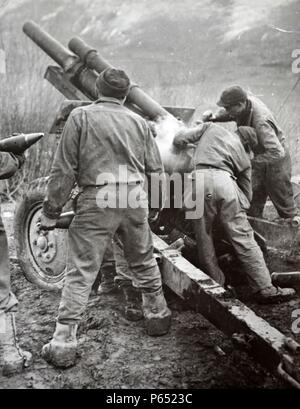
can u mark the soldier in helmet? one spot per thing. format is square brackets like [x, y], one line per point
[12, 357]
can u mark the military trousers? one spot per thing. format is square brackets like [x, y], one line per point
[225, 203]
[274, 181]
[114, 267]
[107, 270]
[7, 299]
[92, 228]
[124, 275]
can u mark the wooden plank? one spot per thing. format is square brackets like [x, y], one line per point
[265, 343]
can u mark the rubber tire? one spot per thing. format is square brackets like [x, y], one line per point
[33, 195]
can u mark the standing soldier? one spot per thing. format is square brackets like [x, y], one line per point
[271, 166]
[12, 357]
[97, 140]
[222, 180]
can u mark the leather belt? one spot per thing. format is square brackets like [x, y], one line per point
[137, 182]
[207, 167]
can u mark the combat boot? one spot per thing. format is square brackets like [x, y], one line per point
[12, 358]
[156, 312]
[132, 303]
[61, 350]
[272, 295]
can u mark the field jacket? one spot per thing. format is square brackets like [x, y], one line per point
[270, 137]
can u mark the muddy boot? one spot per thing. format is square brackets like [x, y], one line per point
[12, 358]
[272, 295]
[156, 312]
[132, 303]
[61, 350]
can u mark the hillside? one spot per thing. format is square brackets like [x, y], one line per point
[182, 53]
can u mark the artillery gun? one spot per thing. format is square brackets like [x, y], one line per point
[42, 254]
[43, 258]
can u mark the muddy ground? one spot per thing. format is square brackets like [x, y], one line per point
[115, 353]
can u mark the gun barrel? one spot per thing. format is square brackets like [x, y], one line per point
[88, 55]
[50, 45]
[95, 61]
[82, 66]
[19, 143]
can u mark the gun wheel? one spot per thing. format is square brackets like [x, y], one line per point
[42, 255]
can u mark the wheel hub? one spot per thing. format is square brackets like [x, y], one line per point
[48, 249]
[46, 245]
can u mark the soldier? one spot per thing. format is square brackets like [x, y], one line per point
[271, 166]
[222, 179]
[96, 140]
[12, 358]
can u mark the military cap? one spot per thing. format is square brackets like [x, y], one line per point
[232, 96]
[113, 83]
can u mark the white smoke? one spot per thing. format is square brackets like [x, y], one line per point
[174, 160]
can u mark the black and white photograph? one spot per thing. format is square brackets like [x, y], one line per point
[150, 197]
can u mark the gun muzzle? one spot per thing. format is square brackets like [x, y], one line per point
[286, 279]
[49, 45]
[19, 143]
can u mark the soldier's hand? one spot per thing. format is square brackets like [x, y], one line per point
[45, 223]
[180, 140]
[207, 116]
